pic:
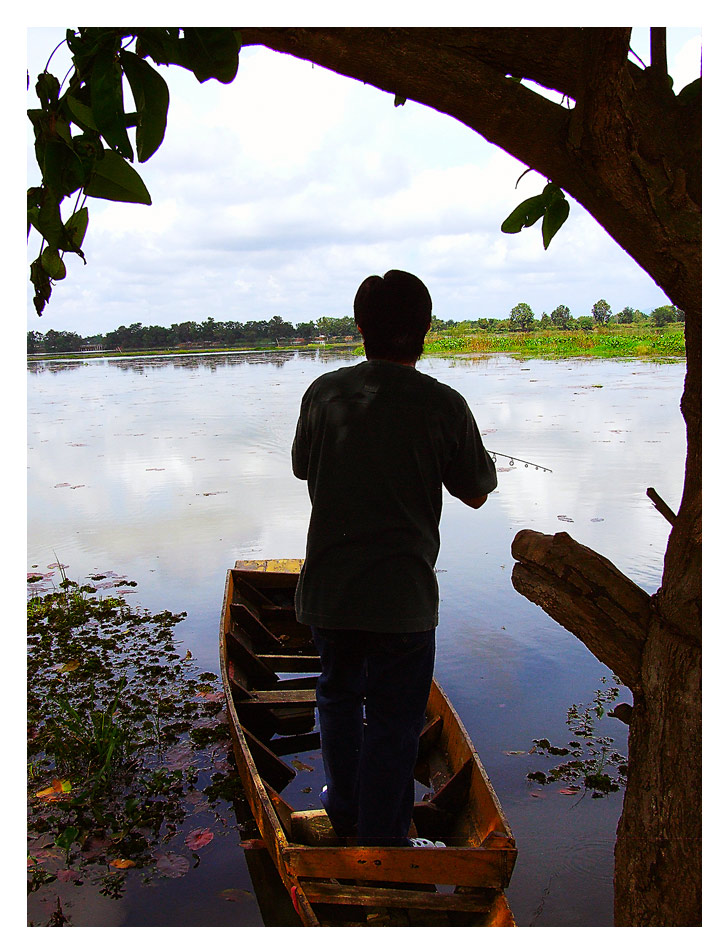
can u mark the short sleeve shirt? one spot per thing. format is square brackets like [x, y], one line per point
[376, 442]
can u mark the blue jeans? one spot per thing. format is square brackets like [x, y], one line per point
[369, 760]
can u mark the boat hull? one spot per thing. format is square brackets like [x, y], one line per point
[271, 714]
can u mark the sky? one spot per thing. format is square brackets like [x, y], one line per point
[279, 193]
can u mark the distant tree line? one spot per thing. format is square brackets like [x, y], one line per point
[227, 333]
[521, 317]
[230, 333]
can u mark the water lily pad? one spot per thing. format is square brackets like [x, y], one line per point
[198, 838]
[171, 865]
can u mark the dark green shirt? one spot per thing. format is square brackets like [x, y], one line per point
[376, 441]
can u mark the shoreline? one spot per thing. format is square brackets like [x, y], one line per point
[626, 341]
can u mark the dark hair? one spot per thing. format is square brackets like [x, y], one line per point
[393, 313]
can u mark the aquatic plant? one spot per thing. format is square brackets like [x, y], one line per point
[600, 342]
[125, 737]
[593, 759]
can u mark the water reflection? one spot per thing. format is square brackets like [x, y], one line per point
[175, 467]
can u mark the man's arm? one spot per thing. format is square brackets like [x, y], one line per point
[300, 450]
[475, 503]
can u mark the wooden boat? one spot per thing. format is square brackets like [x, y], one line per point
[269, 669]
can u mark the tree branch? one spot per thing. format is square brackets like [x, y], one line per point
[620, 120]
[443, 69]
[586, 594]
[658, 55]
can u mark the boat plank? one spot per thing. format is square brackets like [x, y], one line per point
[486, 868]
[297, 743]
[254, 670]
[269, 765]
[291, 663]
[283, 698]
[333, 893]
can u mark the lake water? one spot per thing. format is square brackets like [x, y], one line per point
[168, 469]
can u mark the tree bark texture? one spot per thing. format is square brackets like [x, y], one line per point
[658, 850]
[629, 151]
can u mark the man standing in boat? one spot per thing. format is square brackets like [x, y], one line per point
[376, 442]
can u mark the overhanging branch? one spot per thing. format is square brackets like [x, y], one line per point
[586, 594]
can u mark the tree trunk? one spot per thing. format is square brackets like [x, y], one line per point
[658, 850]
[630, 153]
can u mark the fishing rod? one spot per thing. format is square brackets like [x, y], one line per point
[513, 459]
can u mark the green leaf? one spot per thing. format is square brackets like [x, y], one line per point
[151, 95]
[75, 231]
[525, 215]
[116, 180]
[555, 216]
[162, 44]
[62, 169]
[52, 264]
[81, 114]
[47, 89]
[41, 283]
[211, 52]
[107, 101]
[67, 837]
[49, 222]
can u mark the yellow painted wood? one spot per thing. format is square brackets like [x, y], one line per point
[284, 565]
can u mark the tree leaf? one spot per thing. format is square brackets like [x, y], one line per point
[525, 214]
[41, 283]
[162, 44]
[554, 217]
[122, 863]
[81, 114]
[151, 95]
[107, 101]
[116, 180]
[47, 89]
[211, 52]
[56, 269]
[75, 231]
[48, 220]
[62, 169]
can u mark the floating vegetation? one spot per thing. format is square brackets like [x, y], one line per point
[127, 740]
[618, 341]
[593, 759]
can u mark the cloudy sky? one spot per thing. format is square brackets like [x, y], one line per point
[279, 193]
